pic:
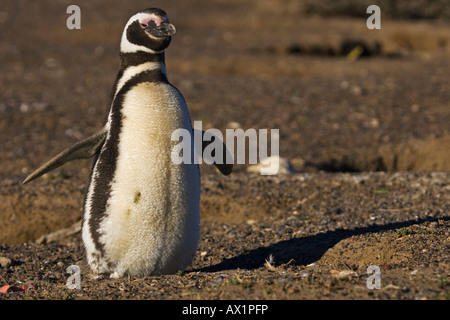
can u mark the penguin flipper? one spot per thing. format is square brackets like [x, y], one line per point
[224, 167]
[84, 149]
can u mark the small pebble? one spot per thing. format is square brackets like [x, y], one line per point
[271, 166]
[24, 108]
[5, 262]
[217, 281]
[234, 125]
[434, 225]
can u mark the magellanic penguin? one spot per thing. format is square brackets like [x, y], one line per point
[141, 212]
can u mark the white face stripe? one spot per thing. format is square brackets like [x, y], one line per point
[132, 71]
[127, 46]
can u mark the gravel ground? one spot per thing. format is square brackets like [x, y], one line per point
[366, 136]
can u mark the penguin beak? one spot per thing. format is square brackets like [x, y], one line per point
[160, 31]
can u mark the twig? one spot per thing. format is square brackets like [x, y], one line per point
[269, 263]
[4, 279]
[60, 234]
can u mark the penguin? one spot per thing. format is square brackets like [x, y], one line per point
[141, 211]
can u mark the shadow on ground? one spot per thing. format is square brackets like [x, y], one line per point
[304, 250]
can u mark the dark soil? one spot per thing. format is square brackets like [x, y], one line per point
[367, 135]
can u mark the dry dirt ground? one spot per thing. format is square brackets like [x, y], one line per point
[363, 117]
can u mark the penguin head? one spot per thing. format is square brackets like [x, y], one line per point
[148, 30]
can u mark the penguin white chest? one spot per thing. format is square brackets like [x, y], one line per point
[151, 223]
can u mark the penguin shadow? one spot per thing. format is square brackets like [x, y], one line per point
[304, 250]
